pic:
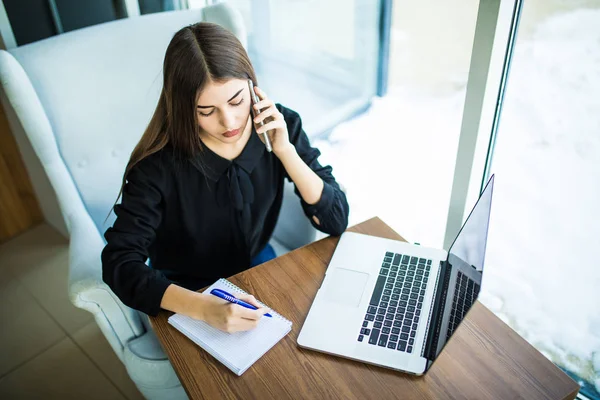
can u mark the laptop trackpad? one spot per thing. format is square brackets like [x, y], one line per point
[346, 287]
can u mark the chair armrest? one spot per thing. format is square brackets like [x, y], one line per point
[86, 288]
[118, 323]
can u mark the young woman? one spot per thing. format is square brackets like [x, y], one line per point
[201, 194]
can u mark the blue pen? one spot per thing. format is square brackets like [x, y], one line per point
[232, 299]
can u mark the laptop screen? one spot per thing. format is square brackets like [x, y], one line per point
[464, 268]
[471, 241]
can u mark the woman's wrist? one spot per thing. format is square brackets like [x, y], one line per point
[183, 301]
[287, 151]
[197, 306]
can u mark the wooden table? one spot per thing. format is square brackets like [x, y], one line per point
[485, 359]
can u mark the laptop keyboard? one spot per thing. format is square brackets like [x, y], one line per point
[395, 308]
[464, 296]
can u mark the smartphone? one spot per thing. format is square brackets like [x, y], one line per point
[253, 100]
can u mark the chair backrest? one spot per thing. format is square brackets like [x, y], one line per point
[99, 86]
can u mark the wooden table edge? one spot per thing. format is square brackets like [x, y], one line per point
[362, 227]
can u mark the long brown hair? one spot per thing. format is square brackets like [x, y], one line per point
[197, 54]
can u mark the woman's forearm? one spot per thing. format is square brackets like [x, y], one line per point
[183, 301]
[309, 184]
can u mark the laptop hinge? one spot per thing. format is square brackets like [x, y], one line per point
[437, 313]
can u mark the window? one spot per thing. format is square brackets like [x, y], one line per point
[542, 275]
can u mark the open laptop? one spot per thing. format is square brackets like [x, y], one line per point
[394, 304]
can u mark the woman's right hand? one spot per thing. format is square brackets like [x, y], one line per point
[229, 317]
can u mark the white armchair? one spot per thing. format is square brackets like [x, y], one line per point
[83, 100]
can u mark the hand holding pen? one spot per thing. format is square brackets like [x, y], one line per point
[228, 316]
[232, 299]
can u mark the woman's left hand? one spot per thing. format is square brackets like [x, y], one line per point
[274, 123]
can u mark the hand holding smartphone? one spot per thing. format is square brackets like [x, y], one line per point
[253, 100]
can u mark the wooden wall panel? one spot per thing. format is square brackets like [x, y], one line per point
[19, 208]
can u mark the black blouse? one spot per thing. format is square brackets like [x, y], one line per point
[204, 219]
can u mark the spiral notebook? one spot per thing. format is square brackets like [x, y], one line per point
[237, 351]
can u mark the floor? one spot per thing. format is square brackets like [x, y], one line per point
[50, 349]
